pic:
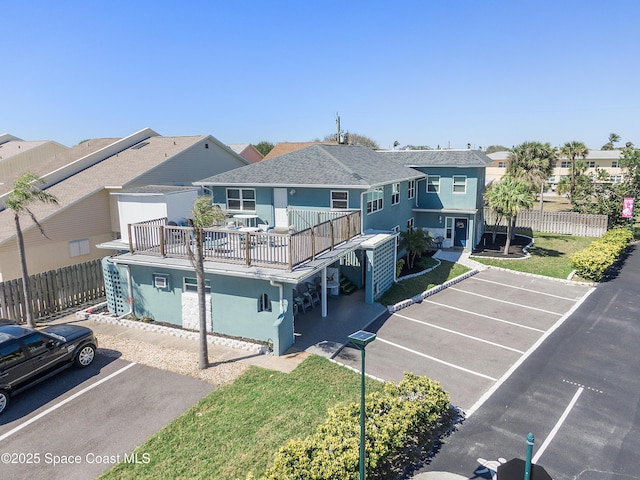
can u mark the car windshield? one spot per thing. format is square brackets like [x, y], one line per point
[12, 331]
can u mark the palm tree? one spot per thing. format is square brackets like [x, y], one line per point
[495, 207]
[533, 163]
[573, 150]
[508, 197]
[613, 138]
[415, 241]
[26, 192]
[204, 215]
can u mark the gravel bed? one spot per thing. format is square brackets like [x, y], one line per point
[171, 359]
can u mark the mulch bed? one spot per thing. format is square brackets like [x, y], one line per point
[488, 248]
[416, 265]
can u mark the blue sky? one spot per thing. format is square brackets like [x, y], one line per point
[438, 73]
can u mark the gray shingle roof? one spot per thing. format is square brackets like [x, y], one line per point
[319, 166]
[438, 158]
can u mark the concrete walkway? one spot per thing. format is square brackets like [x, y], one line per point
[458, 256]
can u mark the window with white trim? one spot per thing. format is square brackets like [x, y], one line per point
[565, 164]
[448, 222]
[77, 248]
[614, 164]
[241, 199]
[191, 285]
[264, 304]
[410, 224]
[339, 199]
[459, 184]
[396, 230]
[433, 183]
[395, 194]
[411, 191]
[591, 164]
[502, 164]
[616, 178]
[374, 200]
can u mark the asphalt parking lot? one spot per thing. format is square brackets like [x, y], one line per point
[470, 335]
[82, 421]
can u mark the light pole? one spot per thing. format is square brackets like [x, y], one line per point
[361, 339]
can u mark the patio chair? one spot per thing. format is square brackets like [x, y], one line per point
[306, 296]
[301, 301]
[317, 285]
[310, 290]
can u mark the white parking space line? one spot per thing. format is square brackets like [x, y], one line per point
[437, 360]
[460, 334]
[64, 402]
[484, 316]
[523, 358]
[504, 301]
[522, 288]
[557, 426]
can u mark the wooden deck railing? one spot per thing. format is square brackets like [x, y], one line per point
[275, 250]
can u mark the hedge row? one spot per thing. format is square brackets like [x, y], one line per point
[402, 418]
[592, 262]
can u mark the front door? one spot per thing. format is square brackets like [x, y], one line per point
[280, 207]
[460, 233]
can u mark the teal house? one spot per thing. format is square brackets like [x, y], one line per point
[450, 201]
[298, 229]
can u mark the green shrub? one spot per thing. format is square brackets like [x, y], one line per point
[404, 416]
[593, 262]
[399, 266]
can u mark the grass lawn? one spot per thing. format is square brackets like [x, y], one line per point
[553, 203]
[413, 286]
[238, 428]
[549, 255]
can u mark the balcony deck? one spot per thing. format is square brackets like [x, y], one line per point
[251, 248]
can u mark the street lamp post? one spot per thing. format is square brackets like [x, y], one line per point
[361, 339]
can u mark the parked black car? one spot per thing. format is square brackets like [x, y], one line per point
[29, 356]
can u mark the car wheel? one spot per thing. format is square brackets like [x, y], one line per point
[85, 356]
[4, 400]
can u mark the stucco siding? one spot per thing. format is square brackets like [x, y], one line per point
[446, 197]
[234, 305]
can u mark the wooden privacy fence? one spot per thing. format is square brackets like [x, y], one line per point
[54, 291]
[567, 223]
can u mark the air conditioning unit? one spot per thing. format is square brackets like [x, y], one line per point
[160, 281]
